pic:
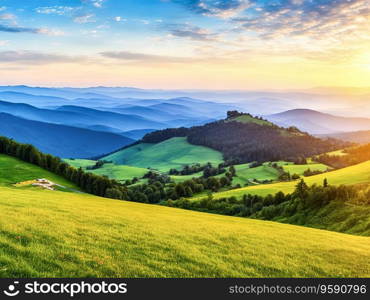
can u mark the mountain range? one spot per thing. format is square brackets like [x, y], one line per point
[360, 137]
[113, 113]
[316, 122]
[86, 114]
[60, 140]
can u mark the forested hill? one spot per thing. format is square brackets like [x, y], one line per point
[243, 138]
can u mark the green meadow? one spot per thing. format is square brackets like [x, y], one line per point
[13, 170]
[356, 174]
[299, 169]
[111, 170]
[246, 175]
[56, 234]
[172, 153]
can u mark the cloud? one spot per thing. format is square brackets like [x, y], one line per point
[3, 43]
[97, 3]
[7, 17]
[32, 57]
[16, 29]
[219, 8]
[51, 32]
[84, 19]
[56, 10]
[119, 19]
[188, 31]
[320, 19]
[128, 56]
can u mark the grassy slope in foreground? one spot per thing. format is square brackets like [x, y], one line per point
[351, 175]
[55, 234]
[13, 170]
[172, 153]
[113, 171]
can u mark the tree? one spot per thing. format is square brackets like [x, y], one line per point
[301, 190]
[188, 191]
[295, 176]
[180, 190]
[325, 183]
[113, 193]
[232, 171]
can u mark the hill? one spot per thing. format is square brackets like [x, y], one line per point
[158, 115]
[13, 170]
[111, 119]
[79, 117]
[60, 140]
[37, 100]
[242, 138]
[356, 174]
[30, 112]
[316, 122]
[61, 236]
[171, 153]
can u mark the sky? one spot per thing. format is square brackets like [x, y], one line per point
[186, 44]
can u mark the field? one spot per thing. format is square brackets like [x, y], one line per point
[56, 234]
[172, 153]
[299, 169]
[13, 170]
[180, 178]
[352, 175]
[338, 153]
[245, 174]
[113, 171]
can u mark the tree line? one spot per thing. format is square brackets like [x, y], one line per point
[301, 207]
[352, 156]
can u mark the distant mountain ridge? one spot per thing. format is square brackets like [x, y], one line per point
[60, 140]
[361, 137]
[98, 111]
[79, 116]
[316, 122]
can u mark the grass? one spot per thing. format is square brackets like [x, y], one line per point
[337, 153]
[172, 153]
[55, 234]
[245, 174]
[181, 178]
[250, 119]
[351, 175]
[299, 169]
[13, 170]
[111, 170]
